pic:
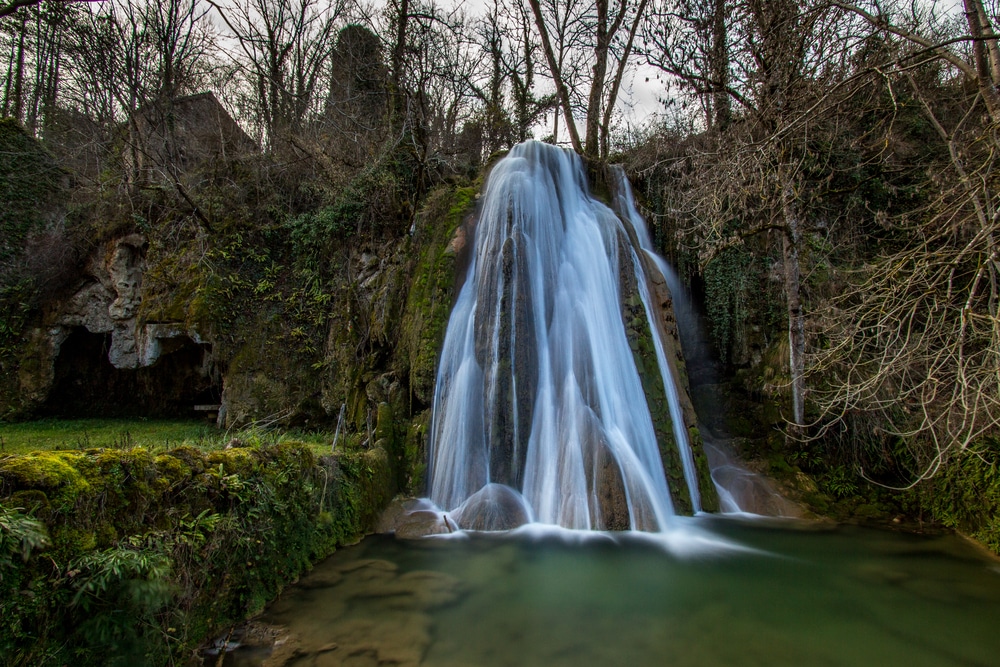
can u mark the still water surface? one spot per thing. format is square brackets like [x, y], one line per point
[715, 592]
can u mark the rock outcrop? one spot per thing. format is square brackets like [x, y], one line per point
[106, 302]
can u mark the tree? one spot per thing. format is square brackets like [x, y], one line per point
[510, 105]
[11, 8]
[284, 49]
[606, 28]
[689, 40]
[914, 340]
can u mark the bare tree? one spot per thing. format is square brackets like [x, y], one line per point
[610, 33]
[511, 106]
[690, 41]
[753, 175]
[284, 48]
[915, 338]
[11, 8]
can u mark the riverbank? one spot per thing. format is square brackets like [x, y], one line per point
[123, 556]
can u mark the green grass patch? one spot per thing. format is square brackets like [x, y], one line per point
[153, 434]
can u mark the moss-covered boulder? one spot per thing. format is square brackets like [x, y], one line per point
[129, 557]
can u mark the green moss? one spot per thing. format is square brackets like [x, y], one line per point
[417, 436]
[216, 533]
[706, 487]
[429, 302]
[644, 353]
[56, 474]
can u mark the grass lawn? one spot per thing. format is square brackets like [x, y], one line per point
[47, 434]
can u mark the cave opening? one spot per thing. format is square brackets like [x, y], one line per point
[86, 384]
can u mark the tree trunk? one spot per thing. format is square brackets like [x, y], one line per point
[396, 101]
[600, 71]
[18, 106]
[719, 68]
[791, 239]
[979, 25]
[561, 92]
[617, 81]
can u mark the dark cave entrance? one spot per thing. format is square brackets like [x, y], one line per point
[87, 385]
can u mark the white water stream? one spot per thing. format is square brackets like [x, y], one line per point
[539, 410]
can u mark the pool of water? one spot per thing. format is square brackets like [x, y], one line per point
[712, 592]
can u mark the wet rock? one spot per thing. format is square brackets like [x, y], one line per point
[367, 567]
[493, 507]
[611, 510]
[396, 638]
[324, 578]
[421, 524]
[410, 518]
[286, 651]
[417, 590]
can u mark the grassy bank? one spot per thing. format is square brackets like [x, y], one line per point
[153, 434]
[133, 554]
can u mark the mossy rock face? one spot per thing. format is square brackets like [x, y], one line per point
[385, 314]
[416, 454]
[640, 338]
[31, 186]
[432, 290]
[706, 487]
[34, 251]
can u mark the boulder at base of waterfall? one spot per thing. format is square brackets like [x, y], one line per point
[493, 507]
[412, 518]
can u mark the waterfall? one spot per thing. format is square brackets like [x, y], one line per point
[539, 409]
[740, 491]
[625, 203]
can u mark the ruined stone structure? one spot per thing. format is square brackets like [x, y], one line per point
[177, 137]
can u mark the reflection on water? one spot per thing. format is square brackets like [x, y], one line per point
[785, 596]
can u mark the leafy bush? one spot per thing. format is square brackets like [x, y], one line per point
[366, 206]
[965, 495]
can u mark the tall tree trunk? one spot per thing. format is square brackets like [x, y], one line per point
[41, 65]
[979, 26]
[8, 88]
[791, 240]
[52, 82]
[719, 68]
[991, 44]
[562, 93]
[397, 103]
[18, 106]
[600, 71]
[617, 81]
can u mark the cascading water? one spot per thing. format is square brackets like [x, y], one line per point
[740, 490]
[625, 204]
[539, 409]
